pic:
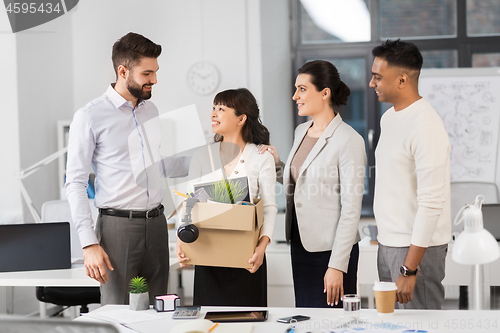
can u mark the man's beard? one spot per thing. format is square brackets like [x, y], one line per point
[136, 90]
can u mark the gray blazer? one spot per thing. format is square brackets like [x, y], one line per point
[328, 192]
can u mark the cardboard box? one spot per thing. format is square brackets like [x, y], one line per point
[228, 234]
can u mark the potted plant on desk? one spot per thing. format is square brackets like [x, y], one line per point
[139, 295]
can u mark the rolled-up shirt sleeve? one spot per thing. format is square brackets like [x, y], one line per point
[81, 148]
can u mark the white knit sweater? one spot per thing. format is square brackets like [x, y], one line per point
[412, 182]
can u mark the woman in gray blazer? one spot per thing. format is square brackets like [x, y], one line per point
[323, 180]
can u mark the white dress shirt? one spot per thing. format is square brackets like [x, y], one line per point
[122, 145]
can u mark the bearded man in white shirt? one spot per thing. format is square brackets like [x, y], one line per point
[412, 183]
[113, 135]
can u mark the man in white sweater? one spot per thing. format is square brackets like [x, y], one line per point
[412, 182]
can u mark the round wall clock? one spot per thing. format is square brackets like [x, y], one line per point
[203, 78]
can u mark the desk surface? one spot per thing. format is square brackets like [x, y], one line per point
[73, 277]
[329, 320]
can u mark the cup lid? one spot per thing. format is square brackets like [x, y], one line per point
[384, 286]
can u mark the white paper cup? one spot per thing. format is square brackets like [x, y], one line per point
[385, 296]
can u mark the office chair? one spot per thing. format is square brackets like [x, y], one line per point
[58, 210]
[69, 296]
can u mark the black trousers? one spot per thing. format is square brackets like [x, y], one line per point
[309, 268]
[227, 286]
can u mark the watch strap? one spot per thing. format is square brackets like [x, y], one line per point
[407, 272]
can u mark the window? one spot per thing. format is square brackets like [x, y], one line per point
[405, 18]
[486, 60]
[318, 25]
[440, 59]
[449, 33]
[483, 17]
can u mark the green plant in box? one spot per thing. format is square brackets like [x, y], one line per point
[227, 191]
[138, 285]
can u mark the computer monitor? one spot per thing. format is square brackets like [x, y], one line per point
[34, 246]
[491, 219]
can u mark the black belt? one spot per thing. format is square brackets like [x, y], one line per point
[131, 214]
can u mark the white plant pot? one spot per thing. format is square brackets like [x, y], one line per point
[139, 301]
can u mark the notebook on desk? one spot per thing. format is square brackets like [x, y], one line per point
[491, 219]
[36, 246]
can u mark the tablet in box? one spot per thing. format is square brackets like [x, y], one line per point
[36, 246]
[228, 234]
[241, 181]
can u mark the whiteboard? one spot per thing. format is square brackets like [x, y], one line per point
[468, 101]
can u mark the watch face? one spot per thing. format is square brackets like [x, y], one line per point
[203, 78]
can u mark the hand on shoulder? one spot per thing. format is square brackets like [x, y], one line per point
[272, 149]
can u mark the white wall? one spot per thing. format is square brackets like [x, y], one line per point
[44, 75]
[10, 199]
[65, 63]
[277, 80]
[189, 31]
[52, 70]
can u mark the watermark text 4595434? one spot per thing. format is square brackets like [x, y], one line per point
[26, 14]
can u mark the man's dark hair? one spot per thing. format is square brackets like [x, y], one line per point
[131, 48]
[400, 54]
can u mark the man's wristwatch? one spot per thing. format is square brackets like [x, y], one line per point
[406, 272]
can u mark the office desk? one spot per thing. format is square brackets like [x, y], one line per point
[326, 320]
[73, 277]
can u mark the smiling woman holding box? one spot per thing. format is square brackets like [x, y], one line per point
[323, 182]
[236, 121]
